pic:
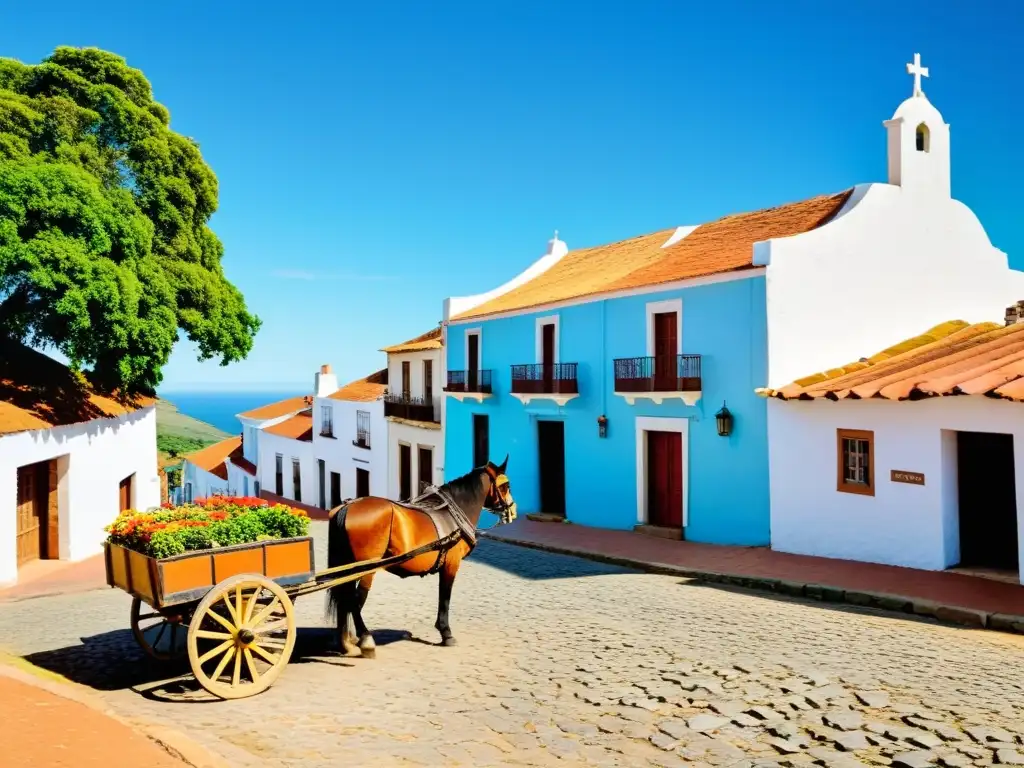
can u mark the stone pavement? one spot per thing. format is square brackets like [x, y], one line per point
[954, 597]
[570, 662]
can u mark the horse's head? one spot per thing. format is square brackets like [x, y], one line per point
[499, 495]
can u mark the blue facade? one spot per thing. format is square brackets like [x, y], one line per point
[727, 494]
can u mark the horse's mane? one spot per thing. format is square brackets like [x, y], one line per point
[469, 483]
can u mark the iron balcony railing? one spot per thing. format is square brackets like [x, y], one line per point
[469, 381]
[362, 438]
[413, 408]
[661, 373]
[545, 379]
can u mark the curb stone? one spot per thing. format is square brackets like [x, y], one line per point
[173, 742]
[950, 614]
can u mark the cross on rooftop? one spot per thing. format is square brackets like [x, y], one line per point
[918, 72]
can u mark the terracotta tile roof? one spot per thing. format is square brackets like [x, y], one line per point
[212, 457]
[37, 392]
[280, 408]
[364, 390]
[725, 245]
[954, 358]
[298, 427]
[429, 340]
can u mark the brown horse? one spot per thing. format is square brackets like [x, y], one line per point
[372, 528]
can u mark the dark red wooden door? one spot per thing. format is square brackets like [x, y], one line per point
[406, 385]
[666, 350]
[426, 468]
[472, 360]
[404, 472]
[362, 483]
[665, 479]
[125, 494]
[481, 439]
[551, 452]
[548, 355]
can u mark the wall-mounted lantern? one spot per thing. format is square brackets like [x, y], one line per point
[724, 421]
[602, 426]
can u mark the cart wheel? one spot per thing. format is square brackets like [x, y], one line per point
[241, 636]
[163, 637]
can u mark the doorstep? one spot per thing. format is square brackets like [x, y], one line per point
[946, 596]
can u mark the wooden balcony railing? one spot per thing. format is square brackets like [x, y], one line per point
[469, 381]
[413, 408]
[668, 373]
[545, 379]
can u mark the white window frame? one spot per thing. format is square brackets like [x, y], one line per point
[645, 424]
[539, 337]
[656, 308]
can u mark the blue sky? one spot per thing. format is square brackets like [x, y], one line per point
[375, 158]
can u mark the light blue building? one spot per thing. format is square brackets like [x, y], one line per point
[601, 372]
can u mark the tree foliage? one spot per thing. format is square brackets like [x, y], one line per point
[105, 248]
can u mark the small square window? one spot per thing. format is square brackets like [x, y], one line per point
[856, 461]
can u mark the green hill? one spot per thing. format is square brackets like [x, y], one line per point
[178, 434]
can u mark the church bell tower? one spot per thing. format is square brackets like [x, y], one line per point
[918, 142]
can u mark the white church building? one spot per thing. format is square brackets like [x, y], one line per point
[877, 458]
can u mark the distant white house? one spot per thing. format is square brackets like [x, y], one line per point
[257, 419]
[70, 461]
[349, 438]
[414, 409]
[912, 457]
[218, 469]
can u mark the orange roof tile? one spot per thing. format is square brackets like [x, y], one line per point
[298, 427]
[429, 340]
[37, 392]
[725, 245]
[364, 390]
[212, 457]
[954, 358]
[280, 408]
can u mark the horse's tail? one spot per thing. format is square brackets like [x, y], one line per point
[339, 552]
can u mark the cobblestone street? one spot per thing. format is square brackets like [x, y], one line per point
[566, 662]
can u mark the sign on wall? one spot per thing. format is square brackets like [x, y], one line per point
[902, 476]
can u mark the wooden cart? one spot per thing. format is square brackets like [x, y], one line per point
[230, 609]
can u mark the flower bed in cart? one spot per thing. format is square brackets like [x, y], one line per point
[176, 554]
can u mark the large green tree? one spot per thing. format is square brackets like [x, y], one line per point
[105, 248]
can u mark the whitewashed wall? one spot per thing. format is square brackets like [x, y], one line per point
[269, 446]
[399, 432]
[416, 381]
[198, 483]
[901, 258]
[415, 437]
[92, 459]
[902, 524]
[342, 456]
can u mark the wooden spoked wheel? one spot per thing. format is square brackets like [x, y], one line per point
[161, 636]
[241, 636]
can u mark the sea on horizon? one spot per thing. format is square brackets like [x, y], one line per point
[219, 408]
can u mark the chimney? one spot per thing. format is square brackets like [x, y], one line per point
[325, 383]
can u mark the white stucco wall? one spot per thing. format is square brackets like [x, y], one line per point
[902, 524]
[92, 459]
[342, 456]
[415, 437]
[197, 483]
[250, 434]
[416, 381]
[269, 446]
[900, 258]
[409, 434]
